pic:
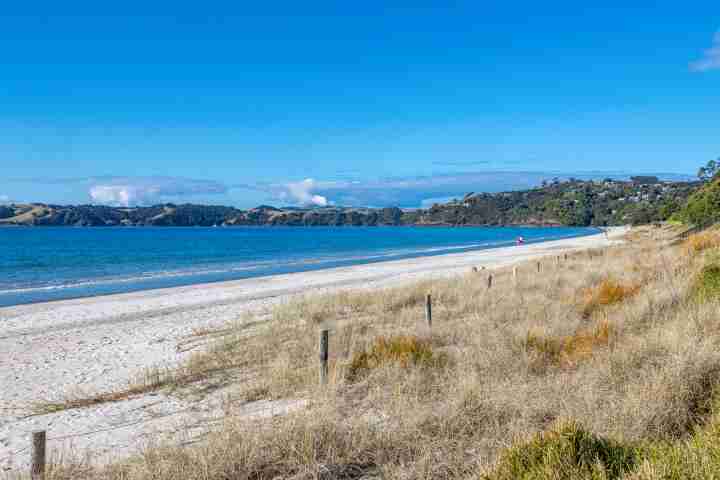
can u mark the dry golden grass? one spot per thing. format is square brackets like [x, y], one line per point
[403, 350]
[568, 351]
[641, 369]
[702, 241]
[608, 292]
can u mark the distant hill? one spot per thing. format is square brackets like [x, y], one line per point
[573, 202]
[170, 215]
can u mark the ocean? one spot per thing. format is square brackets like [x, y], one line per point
[45, 263]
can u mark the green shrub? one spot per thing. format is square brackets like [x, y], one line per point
[703, 206]
[694, 458]
[707, 284]
[565, 452]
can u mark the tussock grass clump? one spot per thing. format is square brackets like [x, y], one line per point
[569, 350]
[707, 283]
[694, 458]
[699, 242]
[567, 451]
[608, 292]
[396, 303]
[403, 350]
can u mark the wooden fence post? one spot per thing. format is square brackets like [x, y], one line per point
[538, 267]
[324, 355]
[566, 257]
[515, 275]
[428, 310]
[490, 280]
[37, 469]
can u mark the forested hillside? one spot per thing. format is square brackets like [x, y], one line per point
[573, 202]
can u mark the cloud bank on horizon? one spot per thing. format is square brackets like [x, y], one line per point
[711, 57]
[128, 191]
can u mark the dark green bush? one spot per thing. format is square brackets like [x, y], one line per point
[565, 452]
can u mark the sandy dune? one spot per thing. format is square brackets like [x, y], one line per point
[55, 349]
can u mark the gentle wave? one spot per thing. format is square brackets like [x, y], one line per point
[86, 266]
[159, 275]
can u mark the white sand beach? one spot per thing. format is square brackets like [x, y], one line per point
[50, 351]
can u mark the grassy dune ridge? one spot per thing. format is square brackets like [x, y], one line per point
[602, 366]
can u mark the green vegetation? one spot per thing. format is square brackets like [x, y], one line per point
[707, 285]
[574, 202]
[695, 458]
[703, 206]
[565, 452]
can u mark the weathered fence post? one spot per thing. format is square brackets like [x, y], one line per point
[324, 355]
[566, 257]
[428, 310]
[490, 280]
[515, 275]
[37, 469]
[539, 267]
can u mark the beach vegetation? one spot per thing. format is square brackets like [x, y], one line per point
[608, 292]
[705, 240]
[567, 351]
[565, 451]
[702, 208]
[604, 366]
[403, 351]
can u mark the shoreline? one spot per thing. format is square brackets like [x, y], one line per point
[108, 286]
[93, 344]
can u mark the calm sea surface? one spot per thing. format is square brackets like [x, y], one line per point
[41, 264]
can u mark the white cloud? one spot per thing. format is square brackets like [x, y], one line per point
[124, 195]
[4, 199]
[300, 193]
[130, 191]
[711, 57]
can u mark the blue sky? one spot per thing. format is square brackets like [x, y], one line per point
[339, 102]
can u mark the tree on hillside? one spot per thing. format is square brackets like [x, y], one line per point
[709, 171]
[703, 207]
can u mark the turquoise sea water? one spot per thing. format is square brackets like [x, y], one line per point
[42, 264]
